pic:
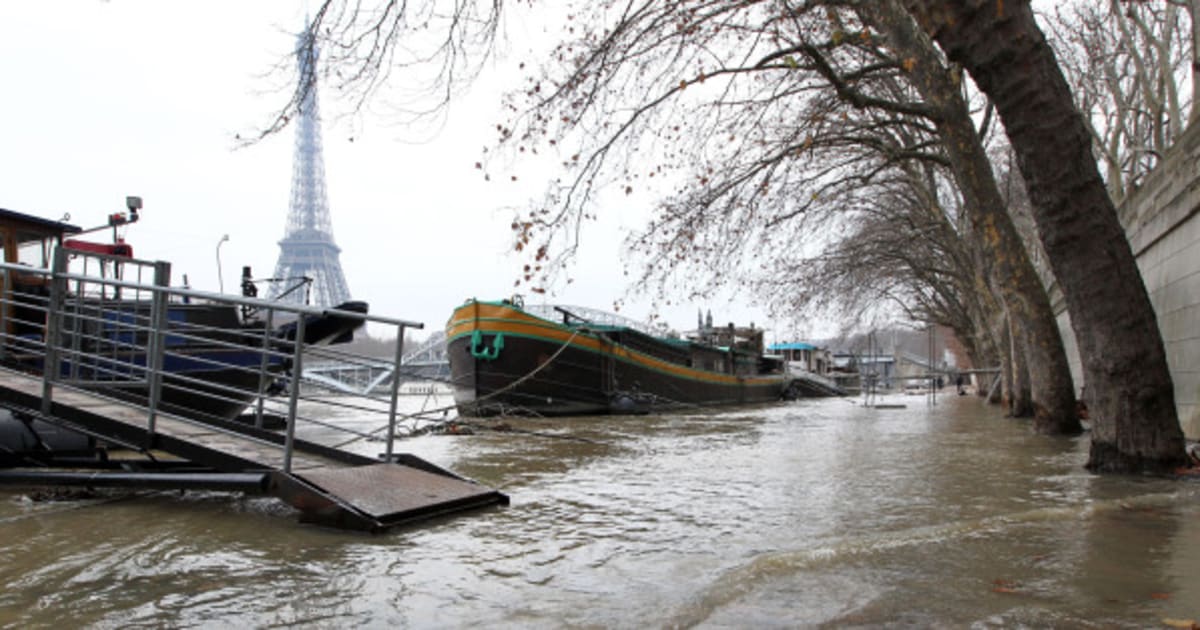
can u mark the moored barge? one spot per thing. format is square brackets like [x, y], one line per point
[509, 359]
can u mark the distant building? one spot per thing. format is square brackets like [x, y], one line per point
[913, 368]
[805, 356]
[882, 367]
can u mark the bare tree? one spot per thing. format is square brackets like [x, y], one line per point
[905, 255]
[1125, 62]
[1130, 394]
[1041, 361]
[436, 47]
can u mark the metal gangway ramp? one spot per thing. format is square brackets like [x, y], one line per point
[328, 486]
[802, 384]
[65, 376]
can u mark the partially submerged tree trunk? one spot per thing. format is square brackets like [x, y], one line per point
[1042, 385]
[991, 358]
[983, 347]
[1004, 393]
[1130, 395]
[1022, 403]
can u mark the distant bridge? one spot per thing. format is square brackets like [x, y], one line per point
[425, 363]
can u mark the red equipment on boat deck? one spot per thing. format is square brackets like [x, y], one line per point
[111, 249]
[115, 220]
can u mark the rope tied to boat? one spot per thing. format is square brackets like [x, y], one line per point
[498, 392]
[535, 370]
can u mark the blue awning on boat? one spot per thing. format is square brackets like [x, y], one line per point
[795, 345]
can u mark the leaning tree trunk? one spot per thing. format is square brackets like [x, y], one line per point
[1022, 400]
[989, 357]
[992, 330]
[994, 357]
[1042, 385]
[1007, 372]
[1129, 392]
[985, 353]
[986, 380]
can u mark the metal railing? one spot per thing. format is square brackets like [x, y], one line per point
[554, 312]
[201, 356]
[800, 370]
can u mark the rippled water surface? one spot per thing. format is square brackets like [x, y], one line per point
[806, 513]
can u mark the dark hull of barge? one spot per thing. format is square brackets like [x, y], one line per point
[544, 368]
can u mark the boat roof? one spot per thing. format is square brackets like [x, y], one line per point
[29, 223]
[794, 345]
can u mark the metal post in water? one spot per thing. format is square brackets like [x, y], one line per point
[294, 396]
[262, 367]
[50, 366]
[395, 390]
[157, 344]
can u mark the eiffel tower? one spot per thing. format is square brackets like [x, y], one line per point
[307, 250]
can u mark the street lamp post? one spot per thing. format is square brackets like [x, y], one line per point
[220, 279]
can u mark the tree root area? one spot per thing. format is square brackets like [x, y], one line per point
[1104, 457]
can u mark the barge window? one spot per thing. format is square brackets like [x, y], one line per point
[33, 251]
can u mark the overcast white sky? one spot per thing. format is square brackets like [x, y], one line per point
[137, 97]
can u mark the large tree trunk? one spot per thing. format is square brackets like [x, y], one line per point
[1129, 392]
[1008, 381]
[971, 346]
[1037, 352]
[985, 343]
[1022, 400]
[993, 331]
[991, 359]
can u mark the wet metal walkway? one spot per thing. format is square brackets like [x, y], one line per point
[328, 486]
[804, 385]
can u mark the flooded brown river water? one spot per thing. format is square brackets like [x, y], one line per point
[817, 512]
